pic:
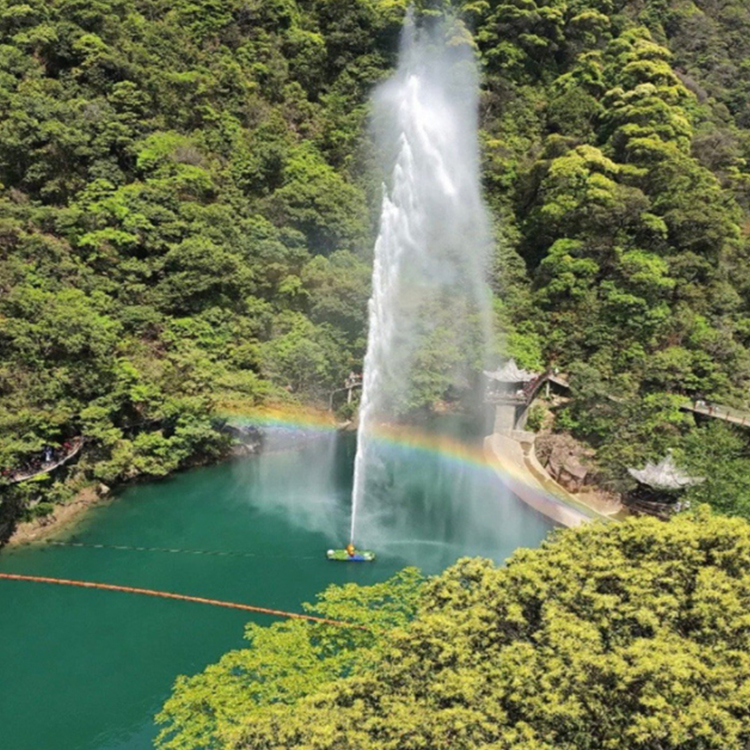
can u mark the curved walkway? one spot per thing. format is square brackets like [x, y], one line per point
[76, 444]
[717, 411]
[543, 494]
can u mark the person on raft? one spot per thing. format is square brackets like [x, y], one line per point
[350, 549]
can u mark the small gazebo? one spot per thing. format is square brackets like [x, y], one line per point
[509, 381]
[507, 391]
[659, 487]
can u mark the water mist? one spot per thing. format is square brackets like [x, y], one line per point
[429, 307]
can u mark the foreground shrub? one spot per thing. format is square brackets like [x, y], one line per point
[629, 635]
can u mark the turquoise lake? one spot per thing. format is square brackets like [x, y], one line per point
[87, 670]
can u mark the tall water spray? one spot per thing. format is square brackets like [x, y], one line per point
[428, 310]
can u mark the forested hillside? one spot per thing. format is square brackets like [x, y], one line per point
[184, 217]
[189, 201]
[617, 148]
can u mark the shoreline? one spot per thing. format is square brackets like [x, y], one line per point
[542, 494]
[62, 517]
[72, 512]
[518, 471]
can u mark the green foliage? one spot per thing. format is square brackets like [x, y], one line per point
[535, 420]
[621, 635]
[287, 661]
[314, 199]
[303, 356]
[718, 453]
[180, 224]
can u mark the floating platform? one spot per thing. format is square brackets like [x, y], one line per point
[341, 555]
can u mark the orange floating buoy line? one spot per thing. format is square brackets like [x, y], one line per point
[180, 597]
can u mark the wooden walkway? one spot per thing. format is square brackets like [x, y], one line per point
[76, 444]
[717, 411]
[530, 391]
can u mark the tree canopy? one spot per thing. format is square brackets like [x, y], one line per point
[627, 635]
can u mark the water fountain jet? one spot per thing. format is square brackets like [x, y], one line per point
[429, 311]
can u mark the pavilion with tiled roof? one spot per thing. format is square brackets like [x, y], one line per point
[659, 487]
[511, 373]
[507, 391]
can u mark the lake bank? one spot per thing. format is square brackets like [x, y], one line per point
[526, 478]
[64, 516]
[279, 430]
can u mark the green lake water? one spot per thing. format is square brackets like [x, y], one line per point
[87, 670]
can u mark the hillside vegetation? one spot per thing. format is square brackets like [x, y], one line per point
[184, 220]
[189, 201]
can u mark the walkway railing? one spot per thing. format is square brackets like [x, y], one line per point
[529, 391]
[45, 467]
[717, 411]
[349, 386]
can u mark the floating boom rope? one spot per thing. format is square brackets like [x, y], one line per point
[181, 597]
[173, 550]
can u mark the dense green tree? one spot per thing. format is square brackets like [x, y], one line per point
[287, 661]
[718, 453]
[621, 635]
[173, 178]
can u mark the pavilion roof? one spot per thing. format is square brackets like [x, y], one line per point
[510, 372]
[665, 475]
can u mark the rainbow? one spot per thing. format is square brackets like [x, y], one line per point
[514, 476]
[399, 436]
